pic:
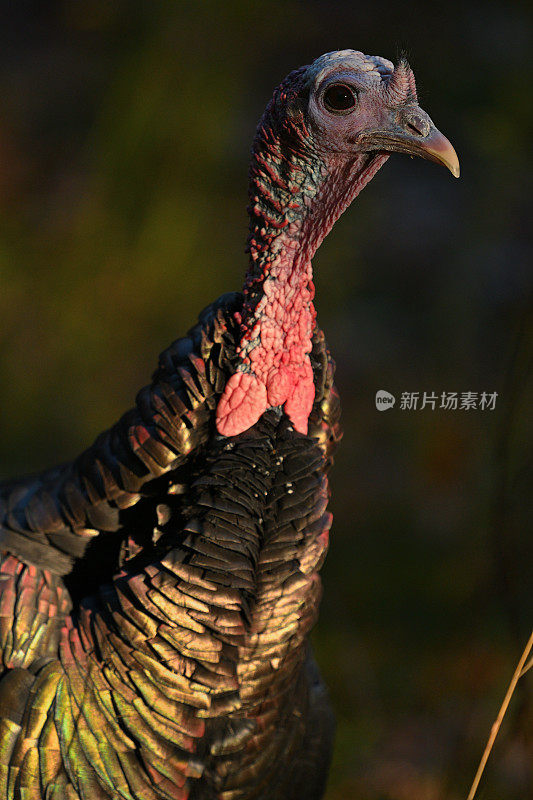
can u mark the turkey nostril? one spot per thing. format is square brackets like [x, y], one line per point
[418, 126]
[414, 129]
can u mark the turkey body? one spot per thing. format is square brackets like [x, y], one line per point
[188, 673]
[158, 591]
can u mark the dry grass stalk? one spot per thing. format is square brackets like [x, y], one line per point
[528, 666]
[520, 670]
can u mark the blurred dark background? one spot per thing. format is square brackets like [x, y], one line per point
[124, 136]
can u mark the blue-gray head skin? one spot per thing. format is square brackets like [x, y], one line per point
[327, 130]
[364, 104]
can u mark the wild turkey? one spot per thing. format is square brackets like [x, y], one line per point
[157, 592]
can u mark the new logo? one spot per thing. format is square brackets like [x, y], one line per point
[384, 400]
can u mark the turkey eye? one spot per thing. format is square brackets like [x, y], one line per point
[339, 98]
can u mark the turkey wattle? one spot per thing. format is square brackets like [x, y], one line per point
[157, 592]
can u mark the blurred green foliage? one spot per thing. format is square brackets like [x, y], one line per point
[124, 137]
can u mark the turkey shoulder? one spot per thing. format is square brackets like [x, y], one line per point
[51, 518]
[75, 520]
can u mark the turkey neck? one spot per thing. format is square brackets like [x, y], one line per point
[296, 195]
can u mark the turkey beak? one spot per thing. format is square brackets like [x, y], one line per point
[425, 140]
[412, 131]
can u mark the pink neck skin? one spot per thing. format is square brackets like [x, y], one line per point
[288, 223]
